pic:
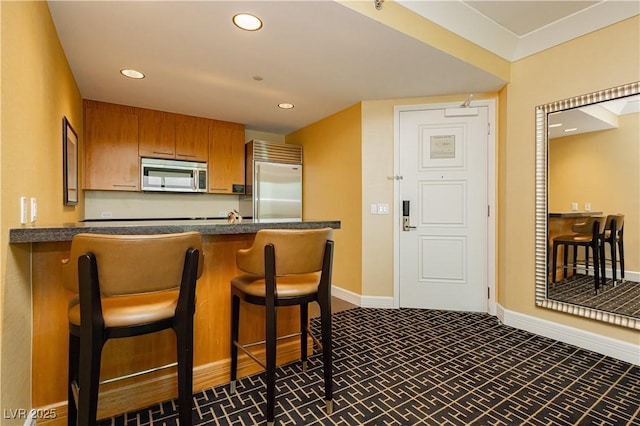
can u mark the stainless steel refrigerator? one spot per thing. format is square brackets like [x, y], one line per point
[273, 182]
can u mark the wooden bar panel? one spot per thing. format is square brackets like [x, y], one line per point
[123, 356]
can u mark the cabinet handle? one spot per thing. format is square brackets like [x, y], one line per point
[122, 185]
[218, 189]
[163, 153]
[186, 155]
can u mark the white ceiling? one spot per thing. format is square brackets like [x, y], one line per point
[319, 55]
[592, 118]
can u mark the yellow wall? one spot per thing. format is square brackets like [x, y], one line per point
[38, 89]
[332, 186]
[592, 62]
[599, 60]
[601, 168]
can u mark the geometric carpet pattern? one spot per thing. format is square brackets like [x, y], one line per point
[623, 298]
[428, 367]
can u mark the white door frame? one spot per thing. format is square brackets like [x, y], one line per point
[491, 195]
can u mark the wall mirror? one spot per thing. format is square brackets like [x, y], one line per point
[588, 163]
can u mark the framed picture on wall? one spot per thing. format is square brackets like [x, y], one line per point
[69, 163]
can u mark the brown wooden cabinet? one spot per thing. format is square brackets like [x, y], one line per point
[111, 147]
[175, 136]
[156, 134]
[226, 156]
[116, 136]
[192, 138]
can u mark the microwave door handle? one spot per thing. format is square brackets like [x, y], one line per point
[194, 180]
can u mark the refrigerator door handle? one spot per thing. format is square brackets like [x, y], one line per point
[256, 192]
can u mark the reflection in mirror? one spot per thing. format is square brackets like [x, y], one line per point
[588, 170]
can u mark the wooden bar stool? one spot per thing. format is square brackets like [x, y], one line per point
[285, 268]
[128, 285]
[591, 243]
[613, 235]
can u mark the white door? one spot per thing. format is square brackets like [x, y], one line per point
[443, 164]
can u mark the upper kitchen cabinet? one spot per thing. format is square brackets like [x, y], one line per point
[192, 138]
[111, 147]
[156, 134]
[175, 136]
[226, 157]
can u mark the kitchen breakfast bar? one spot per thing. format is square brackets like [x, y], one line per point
[122, 357]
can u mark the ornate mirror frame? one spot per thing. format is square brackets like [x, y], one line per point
[541, 213]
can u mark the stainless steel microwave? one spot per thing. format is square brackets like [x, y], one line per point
[173, 175]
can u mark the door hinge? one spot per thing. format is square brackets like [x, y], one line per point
[488, 292]
[488, 210]
[488, 128]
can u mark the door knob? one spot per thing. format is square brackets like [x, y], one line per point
[406, 216]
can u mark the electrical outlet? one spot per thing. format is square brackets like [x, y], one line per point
[222, 213]
[106, 215]
[23, 210]
[587, 207]
[34, 210]
[373, 209]
[574, 207]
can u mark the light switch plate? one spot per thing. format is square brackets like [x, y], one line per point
[23, 210]
[383, 208]
[34, 210]
[374, 209]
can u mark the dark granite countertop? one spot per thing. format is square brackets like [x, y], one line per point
[65, 232]
[574, 214]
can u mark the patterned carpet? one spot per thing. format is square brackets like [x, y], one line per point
[424, 367]
[624, 298]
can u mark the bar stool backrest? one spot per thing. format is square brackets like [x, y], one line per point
[619, 218]
[586, 226]
[298, 251]
[133, 264]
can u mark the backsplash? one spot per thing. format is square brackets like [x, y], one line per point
[105, 205]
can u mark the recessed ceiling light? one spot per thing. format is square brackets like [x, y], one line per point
[555, 125]
[247, 22]
[285, 105]
[132, 74]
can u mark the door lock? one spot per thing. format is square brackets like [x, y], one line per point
[406, 218]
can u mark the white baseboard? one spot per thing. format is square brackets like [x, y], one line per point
[346, 295]
[363, 301]
[624, 351]
[378, 302]
[628, 275]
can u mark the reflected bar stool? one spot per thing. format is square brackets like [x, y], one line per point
[590, 241]
[613, 235]
[128, 285]
[285, 268]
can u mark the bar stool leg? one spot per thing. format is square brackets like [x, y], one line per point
[89, 379]
[235, 328]
[271, 328]
[554, 263]
[614, 263]
[596, 262]
[565, 260]
[304, 324]
[327, 347]
[184, 339]
[74, 356]
[621, 253]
